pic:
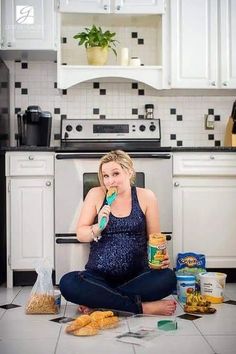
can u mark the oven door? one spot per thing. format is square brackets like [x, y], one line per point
[75, 174]
[70, 254]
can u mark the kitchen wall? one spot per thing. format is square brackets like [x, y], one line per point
[181, 111]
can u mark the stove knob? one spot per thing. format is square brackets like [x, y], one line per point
[152, 128]
[69, 128]
[79, 128]
[142, 128]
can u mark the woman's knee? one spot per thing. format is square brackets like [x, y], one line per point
[67, 284]
[170, 278]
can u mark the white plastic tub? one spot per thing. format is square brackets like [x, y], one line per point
[212, 286]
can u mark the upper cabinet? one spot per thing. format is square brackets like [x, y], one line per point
[112, 6]
[227, 43]
[28, 24]
[144, 35]
[202, 50]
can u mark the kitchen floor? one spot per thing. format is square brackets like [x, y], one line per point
[27, 334]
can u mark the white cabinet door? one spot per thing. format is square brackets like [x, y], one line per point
[31, 221]
[111, 6]
[194, 46]
[139, 6]
[228, 43]
[87, 6]
[204, 218]
[28, 24]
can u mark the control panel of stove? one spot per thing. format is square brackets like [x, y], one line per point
[87, 129]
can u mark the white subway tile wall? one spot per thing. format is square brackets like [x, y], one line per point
[181, 111]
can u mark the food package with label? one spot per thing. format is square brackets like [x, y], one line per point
[190, 263]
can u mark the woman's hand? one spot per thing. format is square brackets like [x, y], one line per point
[166, 262]
[104, 212]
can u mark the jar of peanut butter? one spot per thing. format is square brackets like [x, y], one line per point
[156, 249]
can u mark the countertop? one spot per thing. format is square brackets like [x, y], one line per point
[163, 149]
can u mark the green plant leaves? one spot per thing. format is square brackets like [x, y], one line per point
[95, 37]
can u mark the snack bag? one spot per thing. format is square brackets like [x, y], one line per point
[190, 263]
[42, 299]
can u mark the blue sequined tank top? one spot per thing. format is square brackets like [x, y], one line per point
[121, 253]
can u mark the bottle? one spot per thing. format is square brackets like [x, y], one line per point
[156, 250]
[149, 111]
[124, 56]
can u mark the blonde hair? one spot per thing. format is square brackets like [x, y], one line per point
[120, 157]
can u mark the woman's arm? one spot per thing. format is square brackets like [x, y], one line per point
[87, 231]
[151, 212]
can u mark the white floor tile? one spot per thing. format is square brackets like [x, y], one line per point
[90, 345]
[34, 329]
[230, 291]
[27, 346]
[7, 296]
[221, 322]
[222, 344]
[176, 344]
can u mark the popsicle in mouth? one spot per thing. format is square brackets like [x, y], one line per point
[110, 198]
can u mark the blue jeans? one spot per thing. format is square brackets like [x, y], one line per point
[92, 290]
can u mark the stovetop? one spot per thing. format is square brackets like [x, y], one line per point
[111, 134]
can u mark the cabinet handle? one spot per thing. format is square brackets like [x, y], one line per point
[213, 83]
[176, 184]
[105, 7]
[48, 183]
[118, 7]
[225, 83]
[31, 157]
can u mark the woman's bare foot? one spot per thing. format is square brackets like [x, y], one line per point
[84, 309]
[159, 307]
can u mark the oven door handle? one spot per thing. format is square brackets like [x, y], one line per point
[151, 155]
[66, 240]
[66, 156]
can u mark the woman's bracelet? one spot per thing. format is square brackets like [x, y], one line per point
[94, 237]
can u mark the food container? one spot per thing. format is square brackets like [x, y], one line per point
[156, 250]
[212, 285]
[185, 285]
[135, 61]
[57, 298]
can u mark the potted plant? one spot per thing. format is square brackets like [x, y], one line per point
[97, 44]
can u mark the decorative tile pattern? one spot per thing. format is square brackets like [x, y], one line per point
[182, 117]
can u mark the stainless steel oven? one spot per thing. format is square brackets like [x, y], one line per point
[76, 173]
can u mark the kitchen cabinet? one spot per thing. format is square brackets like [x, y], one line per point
[28, 25]
[72, 67]
[113, 6]
[30, 210]
[227, 64]
[204, 194]
[203, 54]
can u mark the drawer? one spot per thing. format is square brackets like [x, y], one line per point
[29, 164]
[200, 164]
